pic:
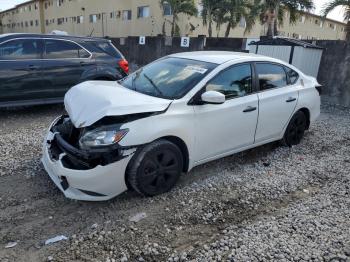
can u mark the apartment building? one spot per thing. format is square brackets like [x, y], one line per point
[121, 18]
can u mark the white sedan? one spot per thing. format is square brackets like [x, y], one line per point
[176, 113]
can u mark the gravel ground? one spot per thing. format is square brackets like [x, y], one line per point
[269, 203]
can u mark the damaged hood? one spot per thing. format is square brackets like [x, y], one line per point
[90, 101]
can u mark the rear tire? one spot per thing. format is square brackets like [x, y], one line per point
[295, 130]
[155, 168]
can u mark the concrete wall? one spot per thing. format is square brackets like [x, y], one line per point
[334, 72]
[157, 47]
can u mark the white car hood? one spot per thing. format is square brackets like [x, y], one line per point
[90, 101]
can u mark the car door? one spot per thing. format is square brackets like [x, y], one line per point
[227, 127]
[66, 64]
[277, 101]
[20, 70]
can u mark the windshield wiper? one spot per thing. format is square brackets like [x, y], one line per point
[153, 84]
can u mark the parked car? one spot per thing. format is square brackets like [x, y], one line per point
[172, 115]
[39, 69]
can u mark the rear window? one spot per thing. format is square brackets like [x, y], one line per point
[59, 49]
[292, 76]
[106, 47]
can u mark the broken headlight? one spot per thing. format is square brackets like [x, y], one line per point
[101, 137]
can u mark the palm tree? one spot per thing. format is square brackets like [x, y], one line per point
[346, 5]
[241, 11]
[273, 12]
[207, 14]
[214, 11]
[187, 7]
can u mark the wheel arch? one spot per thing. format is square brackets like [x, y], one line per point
[306, 112]
[183, 148]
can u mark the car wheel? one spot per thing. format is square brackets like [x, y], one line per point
[296, 129]
[156, 168]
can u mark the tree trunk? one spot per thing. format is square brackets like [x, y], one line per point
[210, 28]
[275, 28]
[270, 24]
[173, 26]
[347, 31]
[228, 30]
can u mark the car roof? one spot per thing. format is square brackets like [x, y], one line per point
[68, 37]
[220, 57]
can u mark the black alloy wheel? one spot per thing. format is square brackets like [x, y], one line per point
[296, 129]
[156, 168]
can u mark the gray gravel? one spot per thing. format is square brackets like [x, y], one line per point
[270, 203]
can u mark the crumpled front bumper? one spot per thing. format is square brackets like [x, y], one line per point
[97, 184]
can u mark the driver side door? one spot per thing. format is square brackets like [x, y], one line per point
[225, 128]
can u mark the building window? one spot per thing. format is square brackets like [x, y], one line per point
[60, 2]
[36, 22]
[143, 11]
[127, 15]
[167, 9]
[302, 19]
[60, 21]
[94, 18]
[31, 23]
[80, 19]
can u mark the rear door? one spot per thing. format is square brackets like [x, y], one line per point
[66, 64]
[278, 98]
[20, 70]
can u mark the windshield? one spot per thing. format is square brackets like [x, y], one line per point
[169, 78]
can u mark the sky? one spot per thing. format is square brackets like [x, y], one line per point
[336, 15]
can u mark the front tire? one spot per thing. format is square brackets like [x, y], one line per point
[295, 130]
[156, 168]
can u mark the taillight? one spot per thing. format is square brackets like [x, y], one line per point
[124, 65]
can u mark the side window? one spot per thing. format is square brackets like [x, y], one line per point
[58, 49]
[20, 49]
[271, 76]
[233, 82]
[292, 75]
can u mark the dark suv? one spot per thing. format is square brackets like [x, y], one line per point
[39, 69]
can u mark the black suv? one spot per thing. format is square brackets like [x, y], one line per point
[39, 69]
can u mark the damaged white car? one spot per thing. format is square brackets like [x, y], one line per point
[172, 115]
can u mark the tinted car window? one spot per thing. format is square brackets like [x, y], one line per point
[20, 49]
[169, 78]
[292, 75]
[271, 76]
[233, 82]
[57, 49]
[108, 48]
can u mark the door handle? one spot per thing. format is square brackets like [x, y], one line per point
[291, 99]
[249, 109]
[83, 63]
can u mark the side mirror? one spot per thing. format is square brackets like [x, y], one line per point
[213, 97]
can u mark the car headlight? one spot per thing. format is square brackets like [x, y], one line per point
[102, 137]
